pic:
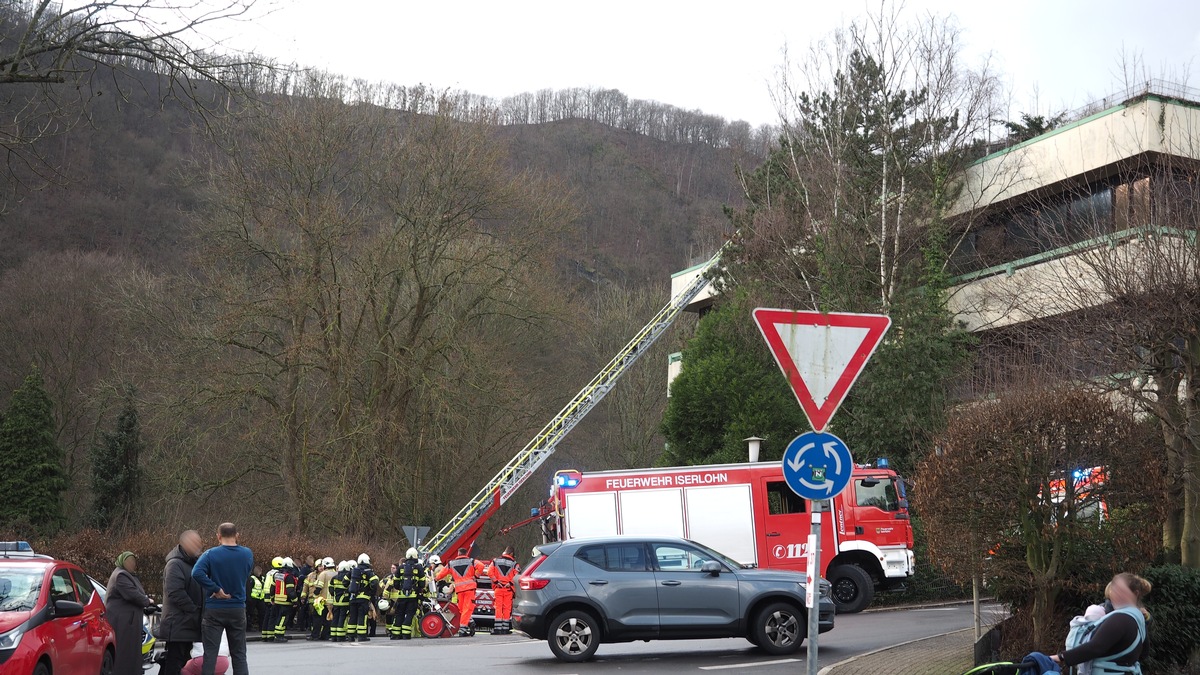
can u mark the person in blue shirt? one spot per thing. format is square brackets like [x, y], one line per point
[222, 572]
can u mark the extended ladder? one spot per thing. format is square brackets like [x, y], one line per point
[464, 527]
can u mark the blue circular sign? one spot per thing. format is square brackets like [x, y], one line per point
[817, 465]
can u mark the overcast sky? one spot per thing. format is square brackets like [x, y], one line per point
[720, 57]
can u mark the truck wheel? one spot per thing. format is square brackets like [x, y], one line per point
[853, 588]
[778, 629]
[574, 636]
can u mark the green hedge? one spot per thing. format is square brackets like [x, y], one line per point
[1174, 606]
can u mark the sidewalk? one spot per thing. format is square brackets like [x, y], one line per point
[949, 654]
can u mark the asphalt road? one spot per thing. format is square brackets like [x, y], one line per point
[854, 634]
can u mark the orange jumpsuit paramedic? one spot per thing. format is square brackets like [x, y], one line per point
[464, 570]
[503, 571]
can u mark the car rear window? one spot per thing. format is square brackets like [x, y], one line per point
[19, 588]
[615, 557]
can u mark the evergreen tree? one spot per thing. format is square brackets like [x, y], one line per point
[116, 474]
[31, 469]
[729, 389]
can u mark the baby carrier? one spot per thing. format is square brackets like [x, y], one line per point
[1082, 632]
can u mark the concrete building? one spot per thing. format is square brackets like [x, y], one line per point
[1032, 216]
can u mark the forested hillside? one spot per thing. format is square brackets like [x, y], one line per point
[132, 276]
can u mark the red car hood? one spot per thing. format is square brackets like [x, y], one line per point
[10, 620]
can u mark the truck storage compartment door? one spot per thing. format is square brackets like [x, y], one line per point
[657, 513]
[721, 517]
[591, 514]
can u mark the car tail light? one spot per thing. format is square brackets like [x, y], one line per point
[528, 582]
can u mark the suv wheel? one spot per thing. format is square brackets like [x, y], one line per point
[779, 628]
[574, 636]
[853, 588]
[41, 669]
[106, 666]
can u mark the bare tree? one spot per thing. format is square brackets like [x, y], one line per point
[56, 58]
[364, 269]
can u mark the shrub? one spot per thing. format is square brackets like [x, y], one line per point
[1174, 605]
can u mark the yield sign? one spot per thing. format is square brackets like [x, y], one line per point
[821, 355]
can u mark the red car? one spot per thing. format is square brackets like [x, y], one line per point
[51, 617]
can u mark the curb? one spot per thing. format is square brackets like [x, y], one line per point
[828, 669]
[931, 605]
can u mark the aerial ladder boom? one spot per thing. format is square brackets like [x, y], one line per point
[465, 526]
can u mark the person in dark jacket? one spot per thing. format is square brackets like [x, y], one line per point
[183, 601]
[1118, 634]
[125, 609]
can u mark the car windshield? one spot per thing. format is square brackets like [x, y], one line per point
[720, 556]
[19, 589]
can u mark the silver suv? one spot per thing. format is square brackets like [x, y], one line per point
[579, 593]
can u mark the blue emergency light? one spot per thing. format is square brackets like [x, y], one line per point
[568, 479]
[881, 463]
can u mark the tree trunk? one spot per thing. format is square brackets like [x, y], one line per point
[1044, 595]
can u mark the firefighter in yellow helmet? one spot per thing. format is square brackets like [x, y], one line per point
[270, 615]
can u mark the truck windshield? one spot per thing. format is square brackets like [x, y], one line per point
[19, 589]
[878, 492]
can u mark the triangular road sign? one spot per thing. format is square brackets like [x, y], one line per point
[821, 355]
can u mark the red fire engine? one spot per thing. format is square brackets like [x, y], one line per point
[747, 512]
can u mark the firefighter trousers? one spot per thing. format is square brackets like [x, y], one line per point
[503, 606]
[283, 617]
[268, 621]
[337, 627]
[406, 609]
[320, 626]
[466, 608]
[360, 611]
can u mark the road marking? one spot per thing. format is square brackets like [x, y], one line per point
[755, 664]
[937, 609]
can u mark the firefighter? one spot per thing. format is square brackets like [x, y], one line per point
[503, 572]
[389, 596]
[283, 596]
[306, 577]
[270, 613]
[463, 569]
[254, 603]
[410, 585]
[339, 602]
[320, 599]
[364, 584]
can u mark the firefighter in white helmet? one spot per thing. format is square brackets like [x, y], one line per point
[364, 584]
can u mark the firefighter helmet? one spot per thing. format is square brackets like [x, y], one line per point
[277, 562]
[327, 563]
[435, 559]
[289, 563]
[411, 554]
[364, 559]
[384, 604]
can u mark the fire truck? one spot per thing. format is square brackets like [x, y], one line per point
[748, 512]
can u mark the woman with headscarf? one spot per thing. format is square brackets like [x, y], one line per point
[125, 607]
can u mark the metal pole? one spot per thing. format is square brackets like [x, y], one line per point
[812, 573]
[975, 606]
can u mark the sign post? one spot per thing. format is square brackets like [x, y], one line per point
[821, 355]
